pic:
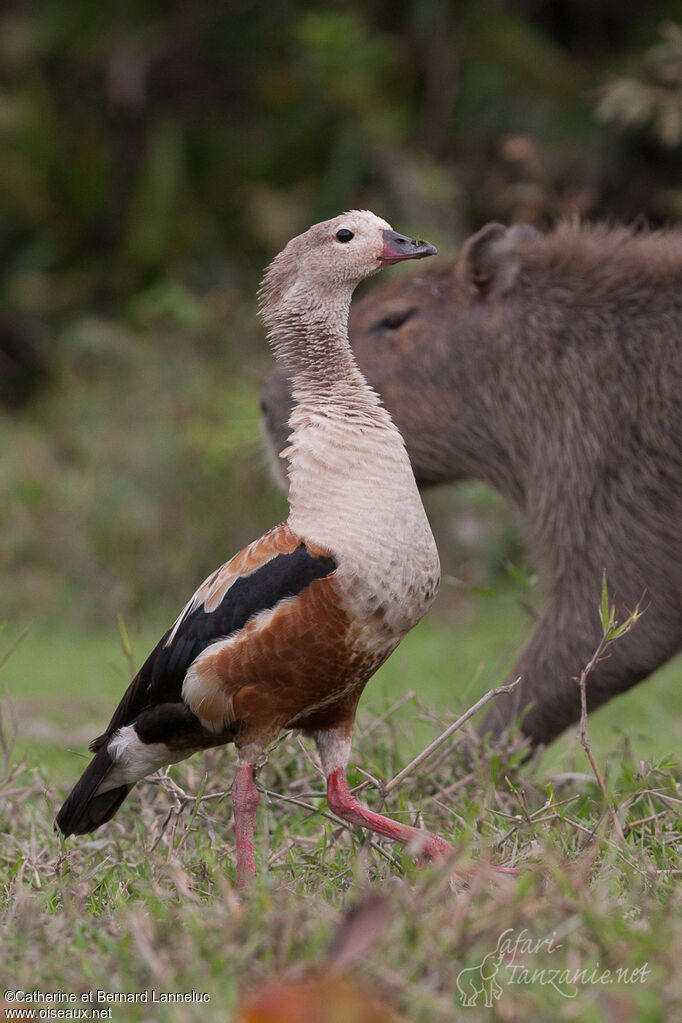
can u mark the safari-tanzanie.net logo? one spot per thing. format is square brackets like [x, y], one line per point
[519, 958]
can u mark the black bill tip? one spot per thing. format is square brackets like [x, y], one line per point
[398, 247]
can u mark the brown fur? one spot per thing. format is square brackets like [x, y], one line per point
[551, 368]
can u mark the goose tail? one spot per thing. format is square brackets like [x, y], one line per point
[87, 807]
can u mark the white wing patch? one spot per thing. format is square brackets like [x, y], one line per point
[134, 759]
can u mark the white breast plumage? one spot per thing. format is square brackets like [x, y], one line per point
[370, 515]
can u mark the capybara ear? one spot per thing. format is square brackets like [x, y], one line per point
[489, 262]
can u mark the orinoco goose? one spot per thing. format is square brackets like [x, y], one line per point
[287, 633]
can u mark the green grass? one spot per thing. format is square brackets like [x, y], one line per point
[149, 902]
[64, 686]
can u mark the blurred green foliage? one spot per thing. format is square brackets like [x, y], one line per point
[154, 156]
[654, 99]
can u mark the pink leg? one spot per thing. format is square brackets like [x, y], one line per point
[334, 748]
[346, 806]
[245, 803]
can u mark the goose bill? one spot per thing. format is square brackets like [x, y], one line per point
[398, 247]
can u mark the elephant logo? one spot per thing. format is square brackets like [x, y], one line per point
[474, 981]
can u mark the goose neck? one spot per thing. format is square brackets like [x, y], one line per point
[314, 349]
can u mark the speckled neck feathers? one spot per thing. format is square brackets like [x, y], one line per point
[352, 489]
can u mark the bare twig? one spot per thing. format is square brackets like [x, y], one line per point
[444, 736]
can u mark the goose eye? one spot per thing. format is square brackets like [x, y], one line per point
[344, 235]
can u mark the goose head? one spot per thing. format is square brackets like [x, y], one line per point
[318, 270]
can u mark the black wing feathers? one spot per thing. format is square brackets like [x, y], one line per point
[83, 811]
[160, 678]
[283, 576]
